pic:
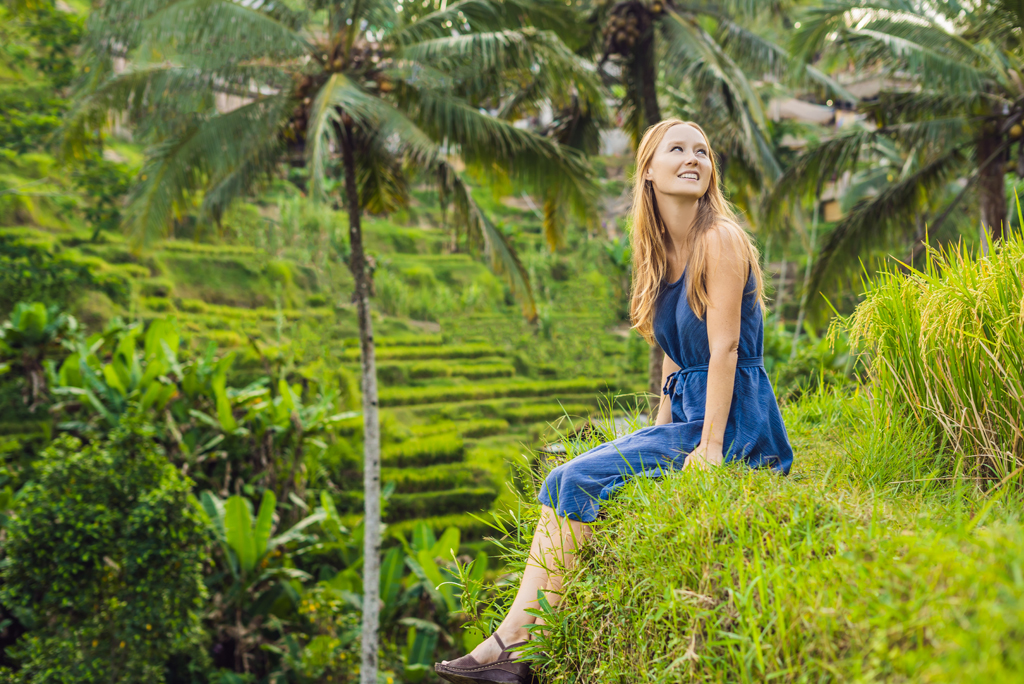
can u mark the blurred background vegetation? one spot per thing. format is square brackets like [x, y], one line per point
[181, 442]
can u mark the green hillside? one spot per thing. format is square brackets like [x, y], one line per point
[468, 385]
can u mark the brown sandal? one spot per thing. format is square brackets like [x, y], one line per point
[466, 670]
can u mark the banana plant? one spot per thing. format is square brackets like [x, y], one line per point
[247, 544]
[436, 570]
[201, 417]
[33, 333]
[108, 387]
[258, 581]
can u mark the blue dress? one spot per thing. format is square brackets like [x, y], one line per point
[754, 432]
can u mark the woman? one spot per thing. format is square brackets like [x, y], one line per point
[697, 291]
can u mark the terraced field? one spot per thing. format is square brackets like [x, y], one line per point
[469, 388]
[463, 420]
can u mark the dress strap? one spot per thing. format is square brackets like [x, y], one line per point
[672, 380]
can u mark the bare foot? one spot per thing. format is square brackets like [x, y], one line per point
[488, 650]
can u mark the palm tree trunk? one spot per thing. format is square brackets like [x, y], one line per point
[648, 77]
[371, 423]
[991, 191]
[652, 115]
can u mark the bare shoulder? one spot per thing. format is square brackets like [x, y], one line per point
[728, 245]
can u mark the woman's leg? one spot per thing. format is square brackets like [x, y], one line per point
[553, 549]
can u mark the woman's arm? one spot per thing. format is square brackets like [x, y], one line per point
[726, 277]
[668, 367]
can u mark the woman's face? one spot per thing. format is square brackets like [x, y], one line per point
[681, 165]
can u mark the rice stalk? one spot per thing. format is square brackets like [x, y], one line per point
[945, 345]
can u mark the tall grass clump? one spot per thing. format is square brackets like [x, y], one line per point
[944, 346]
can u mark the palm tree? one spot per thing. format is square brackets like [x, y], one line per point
[390, 88]
[953, 104]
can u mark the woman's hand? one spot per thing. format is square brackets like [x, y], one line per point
[704, 457]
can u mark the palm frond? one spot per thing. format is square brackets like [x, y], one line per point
[258, 164]
[751, 51]
[482, 15]
[487, 142]
[892, 212]
[503, 258]
[213, 148]
[925, 59]
[212, 33]
[805, 177]
[818, 23]
[540, 55]
[895, 106]
[932, 133]
[694, 53]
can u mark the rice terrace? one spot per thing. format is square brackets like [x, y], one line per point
[521, 341]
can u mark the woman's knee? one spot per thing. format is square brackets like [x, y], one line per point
[561, 481]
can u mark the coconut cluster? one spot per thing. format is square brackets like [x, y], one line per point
[366, 57]
[627, 23]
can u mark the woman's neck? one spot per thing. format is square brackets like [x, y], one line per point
[678, 214]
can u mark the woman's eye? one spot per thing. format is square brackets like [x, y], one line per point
[704, 152]
[676, 147]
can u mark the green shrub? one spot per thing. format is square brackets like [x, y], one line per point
[404, 396]
[192, 305]
[532, 413]
[421, 504]
[484, 427]
[158, 304]
[279, 272]
[426, 451]
[104, 562]
[945, 346]
[465, 351]
[435, 478]
[31, 272]
[156, 287]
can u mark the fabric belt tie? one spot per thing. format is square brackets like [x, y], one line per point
[672, 380]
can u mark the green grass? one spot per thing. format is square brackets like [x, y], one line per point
[435, 478]
[445, 448]
[405, 396]
[404, 372]
[531, 413]
[856, 567]
[465, 351]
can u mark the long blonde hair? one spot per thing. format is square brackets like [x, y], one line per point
[648, 236]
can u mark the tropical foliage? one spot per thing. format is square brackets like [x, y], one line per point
[104, 563]
[393, 86]
[949, 105]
